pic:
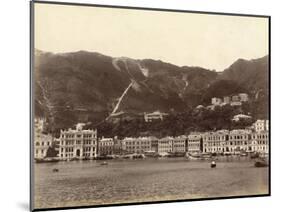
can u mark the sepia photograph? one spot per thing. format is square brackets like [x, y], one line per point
[139, 105]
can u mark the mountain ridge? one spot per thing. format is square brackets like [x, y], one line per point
[87, 86]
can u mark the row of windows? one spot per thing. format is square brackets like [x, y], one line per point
[238, 137]
[259, 136]
[39, 151]
[87, 149]
[227, 143]
[137, 142]
[67, 149]
[85, 142]
[71, 155]
[43, 143]
[234, 149]
[77, 135]
[211, 138]
[138, 147]
[106, 144]
[179, 145]
[193, 145]
[193, 141]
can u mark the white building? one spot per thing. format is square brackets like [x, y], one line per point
[260, 142]
[261, 125]
[195, 142]
[136, 145]
[165, 145]
[239, 140]
[78, 143]
[215, 142]
[243, 97]
[105, 146]
[216, 101]
[179, 144]
[42, 142]
[241, 117]
[226, 100]
[156, 115]
[235, 103]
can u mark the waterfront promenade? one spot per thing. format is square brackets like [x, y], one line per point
[124, 181]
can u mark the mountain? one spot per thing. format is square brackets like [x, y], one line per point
[91, 87]
[250, 74]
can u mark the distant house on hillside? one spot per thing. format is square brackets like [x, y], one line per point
[156, 115]
[261, 125]
[226, 100]
[121, 116]
[241, 117]
[216, 101]
[235, 100]
[243, 97]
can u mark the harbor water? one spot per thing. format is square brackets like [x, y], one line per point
[83, 183]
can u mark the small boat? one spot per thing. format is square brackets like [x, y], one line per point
[243, 154]
[261, 163]
[213, 164]
[55, 170]
[104, 163]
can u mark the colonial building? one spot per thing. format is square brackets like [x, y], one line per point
[215, 142]
[154, 143]
[195, 142]
[156, 115]
[178, 145]
[105, 146]
[239, 140]
[165, 145]
[136, 145]
[260, 142]
[42, 142]
[78, 143]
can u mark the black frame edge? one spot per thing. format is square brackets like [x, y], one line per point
[146, 8]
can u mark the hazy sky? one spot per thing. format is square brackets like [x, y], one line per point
[210, 41]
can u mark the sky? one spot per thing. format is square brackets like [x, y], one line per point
[192, 39]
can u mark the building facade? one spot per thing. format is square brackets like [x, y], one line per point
[42, 141]
[78, 143]
[261, 125]
[178, 144]
[243, 97]
[105, 147]
[195, 142]
[165, 145]
[239, 141]
[226, 100]
[136, 145]
[215, 142]
[241, 117]
[156, 115]
[260, 142]
[216, 101]
[154, 143]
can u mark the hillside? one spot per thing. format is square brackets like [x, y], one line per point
[91, 87]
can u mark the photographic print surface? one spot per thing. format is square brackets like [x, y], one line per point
[134, 105]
